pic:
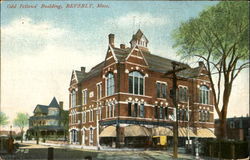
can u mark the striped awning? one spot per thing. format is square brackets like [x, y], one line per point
[205, 133]
[184, 132]
[136, 131]
[162, 131]
[109, 131]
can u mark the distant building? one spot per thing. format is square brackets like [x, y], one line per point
[48, 121]
[237, 128]
[127, 98]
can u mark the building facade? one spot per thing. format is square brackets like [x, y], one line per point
[238, 128]
[126, 98]
[48, 121]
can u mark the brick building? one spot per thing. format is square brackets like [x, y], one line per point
[238, 128]
[126, 98]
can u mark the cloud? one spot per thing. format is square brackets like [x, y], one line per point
[37, 61]
[26, 26]
[142, 19]
[27, 36]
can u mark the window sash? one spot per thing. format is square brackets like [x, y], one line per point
[135, 110]
[142, 110]
[158, 88]
[161, 113]
[129, 109]
[136, 83]
[110, 84]
[156, 112]
[164, 90]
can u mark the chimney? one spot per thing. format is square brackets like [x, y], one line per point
[122, 46]
[112, 40]
[61, 104]
[201, 64]
[83, 69]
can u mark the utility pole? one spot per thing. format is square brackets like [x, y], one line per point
[118, 129]
[175, 150]
[175, 103]
[188, 138]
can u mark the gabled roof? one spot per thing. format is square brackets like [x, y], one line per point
[44, 108]
[80, 75]
[95, 71]
[54, 103]
[41, 109]
[155, 63]
[138, 36]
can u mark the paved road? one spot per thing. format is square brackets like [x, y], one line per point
[40, 152]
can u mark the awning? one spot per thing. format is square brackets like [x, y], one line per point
[109, 131]
[205, 133]
[184, 132]
[136, 131]
[162, 131]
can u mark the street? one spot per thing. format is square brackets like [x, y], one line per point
[40, 152]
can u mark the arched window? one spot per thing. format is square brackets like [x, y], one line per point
[110, 84]
[136, 83]
[204, 95]
[73, 98]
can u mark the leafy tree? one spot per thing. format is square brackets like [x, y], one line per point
[220, 37]
[65, 121]
[3, 119]
[21, 121]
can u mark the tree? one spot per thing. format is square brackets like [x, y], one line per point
[21, 121]
[3, 119]
[218, 36]
[65, 121]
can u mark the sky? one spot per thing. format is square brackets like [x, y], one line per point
[41, 46]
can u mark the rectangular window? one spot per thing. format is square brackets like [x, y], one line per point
[111, 110]
[164, 90]
[166, 113]
[183, 94]
[135, 110]
[99, 91]
[156, 112]
[83, 117]
[92, 115]
[114, 110]
[84, 97]
[158, 87]
[91, 135]
[129, 109]
[142, 110]
[107, 112]
[161, 113]
[161, 89]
